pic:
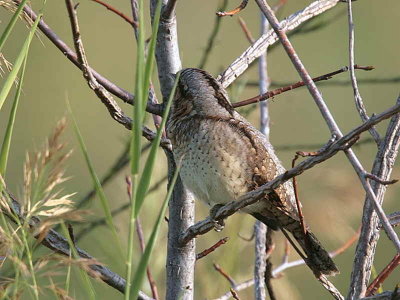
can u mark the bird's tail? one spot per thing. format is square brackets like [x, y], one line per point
[318, 259]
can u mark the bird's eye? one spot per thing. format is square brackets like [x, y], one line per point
[183, 90]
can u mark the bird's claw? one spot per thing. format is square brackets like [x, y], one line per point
[218, 224]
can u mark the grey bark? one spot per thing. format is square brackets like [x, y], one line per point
[365, 250]
[180, 258]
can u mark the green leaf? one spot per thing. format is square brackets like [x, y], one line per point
[84, 276]
[150, 53]
[5, 148]
[144, 261]
[18, 63]
[138, 109]
[11, 24]
[144, 182]
[96, 182]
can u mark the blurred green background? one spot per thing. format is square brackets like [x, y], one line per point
[331, 193]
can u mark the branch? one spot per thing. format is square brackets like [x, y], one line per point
[133, 23]
[238, 9]
[56, 242]
[253, 196]
[357, 96]
[115, 111]
[71, 55]
[235, 69]
[212, 248]
[333, 127]
[365, 250]
[273, 93]
[181, 259]
[378, 281]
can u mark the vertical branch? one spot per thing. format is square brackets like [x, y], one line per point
[357, 96]
[264, 82]
[180, 259]
[260, 233]
[365, 250]
[167, 50]
[260, 229]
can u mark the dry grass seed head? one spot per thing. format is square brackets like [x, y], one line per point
[43, 172]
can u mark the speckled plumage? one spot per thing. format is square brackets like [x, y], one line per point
[223, 157]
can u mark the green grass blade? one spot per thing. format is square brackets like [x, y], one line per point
[96, 182]
[135, 147]
[11, 24]
[18, 63]
[150, 53]
[144, 182]
[144, 261]
[138, 108]
[5, 148]
[84, 276]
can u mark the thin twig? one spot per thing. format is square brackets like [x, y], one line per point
[357, 96]
[212, 248]
[117, 12]
[247, 32]
[234, 294]
[218, 268]
[379, 180]
[103, 221]
[115, 111]
[238, 288]
[269, 247]
[238, 9]
[378, 281]
[296, 85]
[296, 195]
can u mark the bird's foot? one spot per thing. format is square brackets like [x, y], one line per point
[218, 224]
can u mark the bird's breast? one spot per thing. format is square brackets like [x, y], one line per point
[213, 163]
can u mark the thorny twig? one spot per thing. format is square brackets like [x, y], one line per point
[296, 85]
[212, 248]
[117, 12]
